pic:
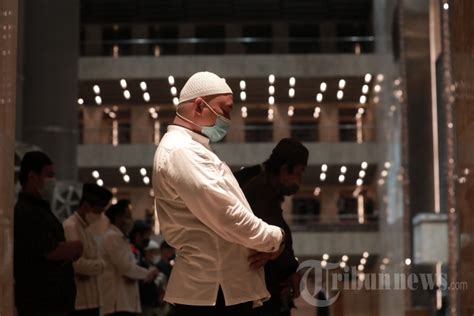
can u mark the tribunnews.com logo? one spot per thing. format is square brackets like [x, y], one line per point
[350, 279]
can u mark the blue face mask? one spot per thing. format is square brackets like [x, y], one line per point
[216, 132]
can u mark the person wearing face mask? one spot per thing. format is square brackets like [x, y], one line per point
[119, 282]
[202, 211]
[265, 187]
[43, 271]
[87, 269]
[139, 238]
[151, 293]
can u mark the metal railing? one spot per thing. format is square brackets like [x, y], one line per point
[125, 134]
[228, 45]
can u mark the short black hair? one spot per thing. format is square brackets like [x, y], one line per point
[139, 227]
[33, 161]
[288, 152]
[116, 210]
[95, 195]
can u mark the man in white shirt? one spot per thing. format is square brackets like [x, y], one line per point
[87, 269]
[119, 282]
[203, 213]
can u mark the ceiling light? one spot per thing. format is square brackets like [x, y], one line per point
[271, 79]
[324, 264]
[123, 83]
[175, 101]
[322, 176]
[100, 182]
[271, 100]
[243, 96]
[363, 261]
[367, 78]
[362, 99]
[123, 170]
[154, 115]
[319, 97]
[271, 90]
[377, 88]
[325, 257]
[362, 174]
[380, 77]
[365, 89]
[365, 254]
[143, 172]
[95, 174]
[143, 85]
[323, 86]
[113, 115]
[361, 111]
[96, 89]
[408, 261]
[387, 165]
[291, 92]
[342, 84]
[291, 110]
[343, 169]
[292, 81]
[146, 97]
[126, 178]
[242, 85]
[345, 258]
[342, 265]
[360, 267]
[171, 80]
[342, 178]
[80, 101]
[324, 168]
[446, 6]
[359, 182]
[364, 165]
[126, 94]
[174, 91]
[340, 94]
[317, 191]
[151, 110]
[146, 180]
[98, 100]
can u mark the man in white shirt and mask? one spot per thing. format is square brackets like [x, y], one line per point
[89, 266]
[203, 213]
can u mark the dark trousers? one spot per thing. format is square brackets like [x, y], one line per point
[86, 312]
[270, 308]
[220, 309]
[27, 312]
[122, 314]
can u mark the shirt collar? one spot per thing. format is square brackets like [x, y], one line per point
[203, 140]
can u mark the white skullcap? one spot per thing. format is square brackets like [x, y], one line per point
[152, 245]
[202, 84]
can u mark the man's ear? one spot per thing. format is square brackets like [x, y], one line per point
[199, 105]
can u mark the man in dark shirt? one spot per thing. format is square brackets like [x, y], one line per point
[265, 188]
[43, 271]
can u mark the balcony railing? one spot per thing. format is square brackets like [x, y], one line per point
[229, 45]
[249, 133]
[346, 222]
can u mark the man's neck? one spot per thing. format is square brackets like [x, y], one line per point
[28, 189]
[183, 123]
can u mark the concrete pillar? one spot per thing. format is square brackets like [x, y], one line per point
[327, 34]
[234, 31]
[93, 40]
[95, 128]
[51, 52]
[142, 126]
[281, 123]
[8, 62]
[329, 123]
[186, 31]
[140, 31]
[329, 212]
[236, 133]
[280, 31]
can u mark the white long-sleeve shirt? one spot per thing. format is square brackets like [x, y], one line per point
[203, 213]
[88, 267]
[119, 282]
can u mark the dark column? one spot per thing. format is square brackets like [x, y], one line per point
[50, 62]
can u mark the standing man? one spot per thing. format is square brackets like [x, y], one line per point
[203, 212]
[89, 266]
[119, 282]
[281, 176]
[43, 272]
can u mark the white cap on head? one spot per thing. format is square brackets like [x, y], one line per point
[202, 84]
[152, 245]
